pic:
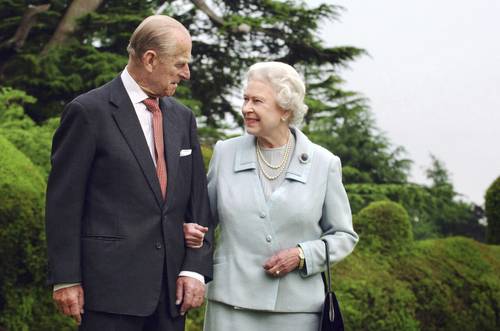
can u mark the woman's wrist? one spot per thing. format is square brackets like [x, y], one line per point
[301, 258]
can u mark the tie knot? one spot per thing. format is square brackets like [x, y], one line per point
[151, 104]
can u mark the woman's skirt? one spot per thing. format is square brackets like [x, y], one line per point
[222, 317]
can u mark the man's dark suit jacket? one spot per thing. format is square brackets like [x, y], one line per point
[107, 224]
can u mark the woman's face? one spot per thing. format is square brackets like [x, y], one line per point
[260, 110]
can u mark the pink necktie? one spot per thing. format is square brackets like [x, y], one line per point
[161, 167]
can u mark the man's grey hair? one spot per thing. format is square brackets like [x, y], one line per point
[156, 32]
[286, 83]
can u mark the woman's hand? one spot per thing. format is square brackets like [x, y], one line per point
[282, 262]
[194, 234]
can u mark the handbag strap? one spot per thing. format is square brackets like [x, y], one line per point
[327, 271]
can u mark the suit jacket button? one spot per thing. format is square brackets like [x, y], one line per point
[262, 214]
[269, 238]
[158, 245]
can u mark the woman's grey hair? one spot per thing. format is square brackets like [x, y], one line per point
[287, 84]
[156, 32]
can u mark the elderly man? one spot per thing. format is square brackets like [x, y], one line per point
[127, 173]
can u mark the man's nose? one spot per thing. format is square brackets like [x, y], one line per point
[185, 73]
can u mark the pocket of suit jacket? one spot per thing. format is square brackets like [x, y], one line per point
[185, 152]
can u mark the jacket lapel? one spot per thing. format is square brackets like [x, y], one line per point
[300, 164]
[172, 144]
[246, 157]
[302, 156]
[130, 127]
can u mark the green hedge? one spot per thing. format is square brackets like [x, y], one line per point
[492, 206]
[30, 138]
[438, 284]
[25, 301]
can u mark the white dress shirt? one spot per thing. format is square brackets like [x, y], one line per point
[137, 96]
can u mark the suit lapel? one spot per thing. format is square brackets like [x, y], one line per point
[171, 138]
[130, 127]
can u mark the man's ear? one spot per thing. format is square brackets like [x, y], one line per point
[149, 60]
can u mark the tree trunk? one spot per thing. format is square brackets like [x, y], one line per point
[67, 25]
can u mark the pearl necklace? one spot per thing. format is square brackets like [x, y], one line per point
[280, 166]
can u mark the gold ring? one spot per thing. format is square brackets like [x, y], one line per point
[277, 273]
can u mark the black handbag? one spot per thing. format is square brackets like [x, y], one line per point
[331, 318]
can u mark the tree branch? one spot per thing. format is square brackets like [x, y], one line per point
[27, 22]
[216, 19]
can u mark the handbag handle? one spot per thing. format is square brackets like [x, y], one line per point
[327, 271]
[328, 289]
[331, 317]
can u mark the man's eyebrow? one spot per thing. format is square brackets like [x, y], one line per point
[185, 60]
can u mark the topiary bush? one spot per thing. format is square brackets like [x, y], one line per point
[455, 282]
[441, 284]
[370, 297]
[30, 138]
[25, 301]
[384, 227]
[492, 210]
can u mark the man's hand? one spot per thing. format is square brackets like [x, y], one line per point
[189, 294]
[194, 234]
[70, 302]
[282, 262]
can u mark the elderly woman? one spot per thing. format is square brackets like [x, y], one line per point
[275, 195]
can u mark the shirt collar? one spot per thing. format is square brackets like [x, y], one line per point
[134, 91]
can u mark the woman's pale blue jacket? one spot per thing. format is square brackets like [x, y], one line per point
[310, 204]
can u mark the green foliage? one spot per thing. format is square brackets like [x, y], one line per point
[443, 284]
[455, 216]
[370, 298]
[91, 56]
[194, 321]
[353, 175]
[384, 227]
[25, 302]
[348, 130]
[417, 201]
[30, 138]
[206, 152]
[492, 206]
[432, 214]
[455, 282]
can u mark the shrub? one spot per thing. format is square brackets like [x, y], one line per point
[492, 206]
[370, 297]
[30, 138]
[441, 284]
[455, 282]
[384, 227]
[25, 303]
